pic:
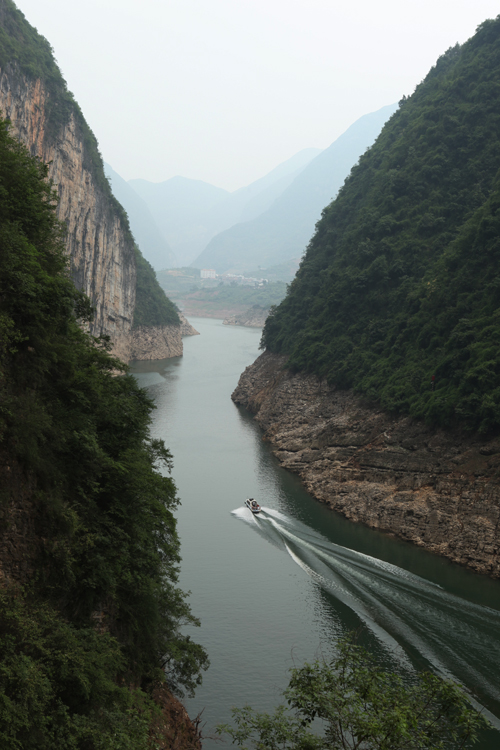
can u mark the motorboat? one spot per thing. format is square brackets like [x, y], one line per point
[253, 505]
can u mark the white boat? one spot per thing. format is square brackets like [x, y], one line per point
[253, 505]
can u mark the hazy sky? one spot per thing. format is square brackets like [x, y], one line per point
[224, 90]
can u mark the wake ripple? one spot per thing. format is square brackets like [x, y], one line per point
[459, 639]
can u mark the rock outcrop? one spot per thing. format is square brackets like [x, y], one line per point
[437, 489]
[186, 327]
[159, 342]
[98, 241]
[254, 317]
[101, 253]
[155, 342]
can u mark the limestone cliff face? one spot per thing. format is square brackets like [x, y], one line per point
[255, 317]
[438, 490]
[186, 327]
[155, 342]
[101, 252]
[98, 242]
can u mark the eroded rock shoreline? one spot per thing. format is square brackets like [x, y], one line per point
[436, 489]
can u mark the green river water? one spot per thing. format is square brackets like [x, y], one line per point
[276, 589]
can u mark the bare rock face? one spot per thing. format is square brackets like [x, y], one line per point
[100, 248]
[436, 489]
[155, 342]
[159, 342]
[186, 327]
[101, 253]
[255, 317]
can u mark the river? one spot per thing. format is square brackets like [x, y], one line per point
[277, 589]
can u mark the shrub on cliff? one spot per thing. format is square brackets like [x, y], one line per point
[397, 295]
[152, 306]
[102, 516]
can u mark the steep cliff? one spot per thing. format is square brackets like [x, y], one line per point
[437, 489]
[44, 116]
[90, 612]
[101, 252]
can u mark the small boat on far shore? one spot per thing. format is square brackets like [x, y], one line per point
[253, 505]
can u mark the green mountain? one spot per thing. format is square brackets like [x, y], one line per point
[280, 233]
[92, 620]
[398, 295]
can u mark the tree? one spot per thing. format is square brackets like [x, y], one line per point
[360, 707]
[92, 619]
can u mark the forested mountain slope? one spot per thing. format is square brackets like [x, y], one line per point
[398, 295]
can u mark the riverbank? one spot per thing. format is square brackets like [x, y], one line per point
[435, 489]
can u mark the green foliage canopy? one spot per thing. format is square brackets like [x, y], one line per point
[152, 306]
[360, 706]
[75, 425]
[400, 282]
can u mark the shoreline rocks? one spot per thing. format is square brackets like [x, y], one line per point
[255, 317]
[439, 490]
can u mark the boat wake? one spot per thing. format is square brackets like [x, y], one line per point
[410, 616]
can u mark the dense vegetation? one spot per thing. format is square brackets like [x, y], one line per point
[152, 306]
[401, 282]
[354, 704]
[96, 617]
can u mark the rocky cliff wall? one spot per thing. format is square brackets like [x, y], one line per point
[255, 317]
[100, 247]
[186, 327]
[101, 253]
[159, 342]
[155, 342]
[438, 490]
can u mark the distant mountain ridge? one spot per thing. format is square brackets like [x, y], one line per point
[179, 207]
[283, 231]
[150, 239]
[190, 212]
